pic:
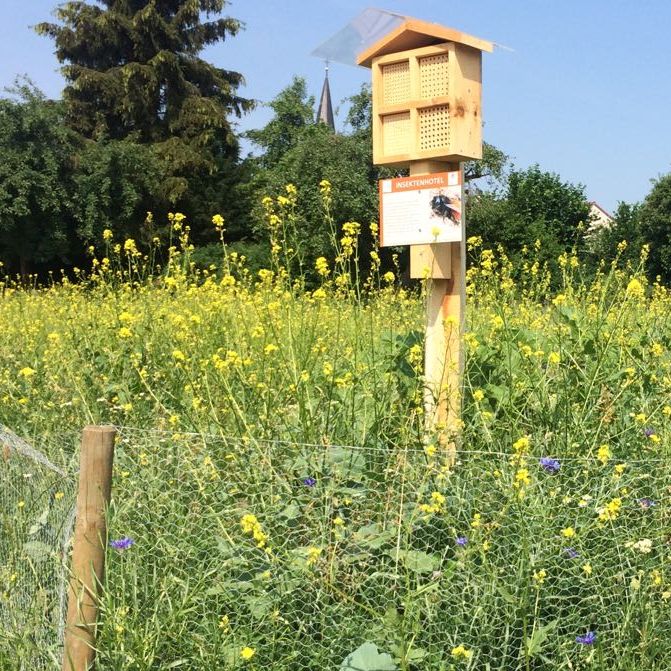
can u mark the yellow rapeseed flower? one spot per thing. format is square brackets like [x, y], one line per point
[322, 266]
[539, 578]
[610, 511]
[460, 652]
[521, 445]
[604, 454]
[522, 478]
[351, 228]
[618, 470]
[250, 525]
[130, 247]
[635, 288]
[247, 653]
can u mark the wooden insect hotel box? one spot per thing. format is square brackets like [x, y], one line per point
[427, 94]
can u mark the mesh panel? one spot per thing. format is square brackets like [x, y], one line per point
[304, 556]
[434, 76]
[434, 127]
[396, 133]
[36, 514]
[396, 83]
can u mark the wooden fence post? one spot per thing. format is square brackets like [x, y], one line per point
[88, 553]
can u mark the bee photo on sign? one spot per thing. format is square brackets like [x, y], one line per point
[445, 205]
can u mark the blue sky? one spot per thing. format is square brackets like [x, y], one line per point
[585, 91]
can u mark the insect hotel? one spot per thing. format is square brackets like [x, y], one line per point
[427, 117]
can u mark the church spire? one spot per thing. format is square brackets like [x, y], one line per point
[325, 111]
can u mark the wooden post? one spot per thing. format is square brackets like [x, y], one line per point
[427, 113]
[445, 303]
[88, 554]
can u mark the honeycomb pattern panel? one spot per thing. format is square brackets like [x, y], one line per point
[433, 76]
[396, 83]
[396, 133]
[434, 127]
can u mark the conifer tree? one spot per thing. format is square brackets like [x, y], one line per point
[133, 70]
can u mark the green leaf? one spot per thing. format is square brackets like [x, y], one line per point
[367, 658]
[291, 512]
[230, 654]
[392, 618]
[418, 561]
[499, 393]
[346, 462]
[373, 536]
[416, 655]
[40, 523]
[37, 551]
[225, 547]
[259, 606]
[411, 655]
[535, 642]
[507, 596]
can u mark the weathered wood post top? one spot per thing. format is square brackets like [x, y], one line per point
[427, 94]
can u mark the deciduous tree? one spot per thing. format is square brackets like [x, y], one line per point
[36, 178]
[655, 218]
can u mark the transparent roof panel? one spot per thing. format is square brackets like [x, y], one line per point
[359, 34]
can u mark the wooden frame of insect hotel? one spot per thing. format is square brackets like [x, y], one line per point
[427, 116]
[427, 94]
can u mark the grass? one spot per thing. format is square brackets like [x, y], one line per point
[285, 504]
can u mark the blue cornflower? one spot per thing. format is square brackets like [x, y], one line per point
[461, 541]
[124, 543]
[309, 482]
[588, 639]
[649, 432]
[646, 503]
[549, 464]
[571, 553]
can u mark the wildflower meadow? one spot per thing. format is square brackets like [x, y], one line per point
[277, 503]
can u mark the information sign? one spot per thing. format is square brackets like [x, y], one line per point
[421, 209]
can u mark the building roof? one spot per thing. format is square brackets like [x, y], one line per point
[414, 33]
[599, 218]
[325, 110]
[596, 205]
